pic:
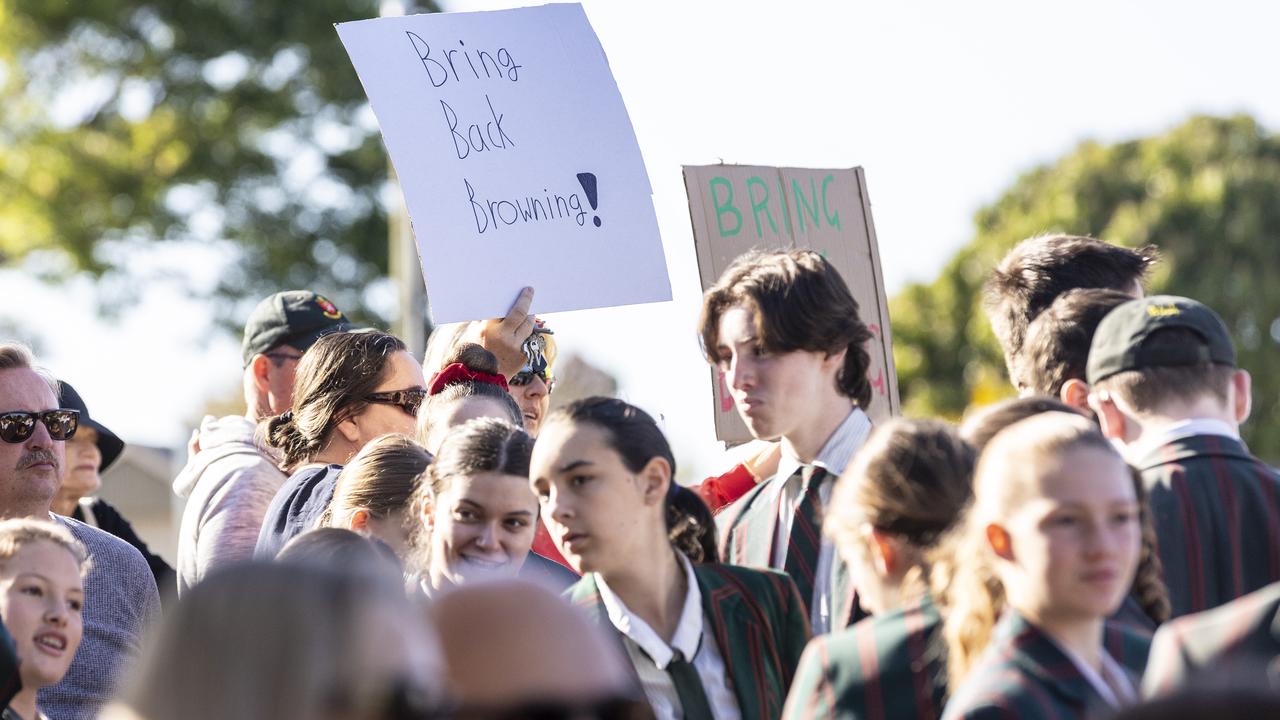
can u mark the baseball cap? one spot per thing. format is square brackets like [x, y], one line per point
[1121, 340]
[294, 317]
[109, 444]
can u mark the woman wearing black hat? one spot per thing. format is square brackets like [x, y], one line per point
[89, 452]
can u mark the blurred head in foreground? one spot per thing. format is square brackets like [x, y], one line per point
[514, 649]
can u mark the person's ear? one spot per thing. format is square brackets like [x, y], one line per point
[834, 360]
[655, 478]
[349, 428]
[884, 552]
[261, 367]
[428, 513]
[1075, 392]
[359, 521]
[1000, 541]
[1242, 395]
[1110, 417]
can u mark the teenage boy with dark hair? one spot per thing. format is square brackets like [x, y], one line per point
[1039, 269]
[784, 329]
[1056, 348]
[1165, 386]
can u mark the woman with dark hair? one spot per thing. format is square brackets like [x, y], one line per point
[705, 640]
[475, 511]
[350, 388]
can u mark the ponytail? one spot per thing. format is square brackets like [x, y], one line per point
[973, 597]
[690, 525]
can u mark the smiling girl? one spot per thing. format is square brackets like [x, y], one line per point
[1046, 554]
[41, 600]
[474, 506]
[705, 640]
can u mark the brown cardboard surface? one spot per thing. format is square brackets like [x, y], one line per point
[736, 208]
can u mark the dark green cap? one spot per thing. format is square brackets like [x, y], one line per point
[1121, 341]
[294, 317]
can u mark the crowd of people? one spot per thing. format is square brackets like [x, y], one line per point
[383, 537]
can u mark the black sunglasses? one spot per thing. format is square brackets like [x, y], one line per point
[524, 377]
[408, 400]
[17, 426]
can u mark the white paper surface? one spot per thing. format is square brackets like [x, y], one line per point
[489, 118]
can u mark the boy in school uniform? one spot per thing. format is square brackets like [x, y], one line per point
[784, 329]
[1165, 386]
[1040, 269]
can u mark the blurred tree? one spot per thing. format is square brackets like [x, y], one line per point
[1205, 192]
[233, 123]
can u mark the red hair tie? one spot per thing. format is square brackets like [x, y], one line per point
[454, 373]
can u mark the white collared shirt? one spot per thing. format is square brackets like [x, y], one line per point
[1113, 683]
[786, 492]
[650, 654]
[1177, 431]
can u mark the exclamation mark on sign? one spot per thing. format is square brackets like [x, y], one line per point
[588, 182]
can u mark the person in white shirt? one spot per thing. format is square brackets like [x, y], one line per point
[706, 640]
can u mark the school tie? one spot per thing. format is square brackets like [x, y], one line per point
[805, 539]
[693, 697]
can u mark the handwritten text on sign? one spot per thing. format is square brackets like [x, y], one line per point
[516, 158]
[738, 208]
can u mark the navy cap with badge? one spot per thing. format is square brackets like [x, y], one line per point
[296, 318]
[1121, 342]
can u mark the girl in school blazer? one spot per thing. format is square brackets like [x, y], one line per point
[1046, 553]
[905, 489]
[705, 640]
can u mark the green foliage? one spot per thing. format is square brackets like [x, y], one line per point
[1205, 193]
[128, 122]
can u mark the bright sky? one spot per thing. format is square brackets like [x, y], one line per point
[944, 105]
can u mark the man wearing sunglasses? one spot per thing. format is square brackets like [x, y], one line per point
[230, 478]
[121, 597]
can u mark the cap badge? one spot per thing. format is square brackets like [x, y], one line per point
[328, 309]
[1163, 310]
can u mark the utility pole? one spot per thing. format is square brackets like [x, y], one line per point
[412, 324]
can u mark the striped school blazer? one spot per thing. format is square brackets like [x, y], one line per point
[758, 622]
[889, 667]
[1216, 511]
[1236, 644]
[893, 666]
[747, 529]
[1024, 674]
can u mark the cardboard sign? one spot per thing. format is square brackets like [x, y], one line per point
[737, 208]
[517, 159]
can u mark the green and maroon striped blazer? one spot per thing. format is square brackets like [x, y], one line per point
[889, 667]
[1216, 511]
[1235, 644]
[759, 624]
[747, 529]
[1024, 674]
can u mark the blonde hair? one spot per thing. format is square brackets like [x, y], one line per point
[19, 533]
[259, 641]
[912, 479]
[380, 479]
[1007, 468]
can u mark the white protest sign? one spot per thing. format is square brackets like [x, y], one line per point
[517, 159]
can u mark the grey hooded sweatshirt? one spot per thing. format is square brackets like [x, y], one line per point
[228, 485]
